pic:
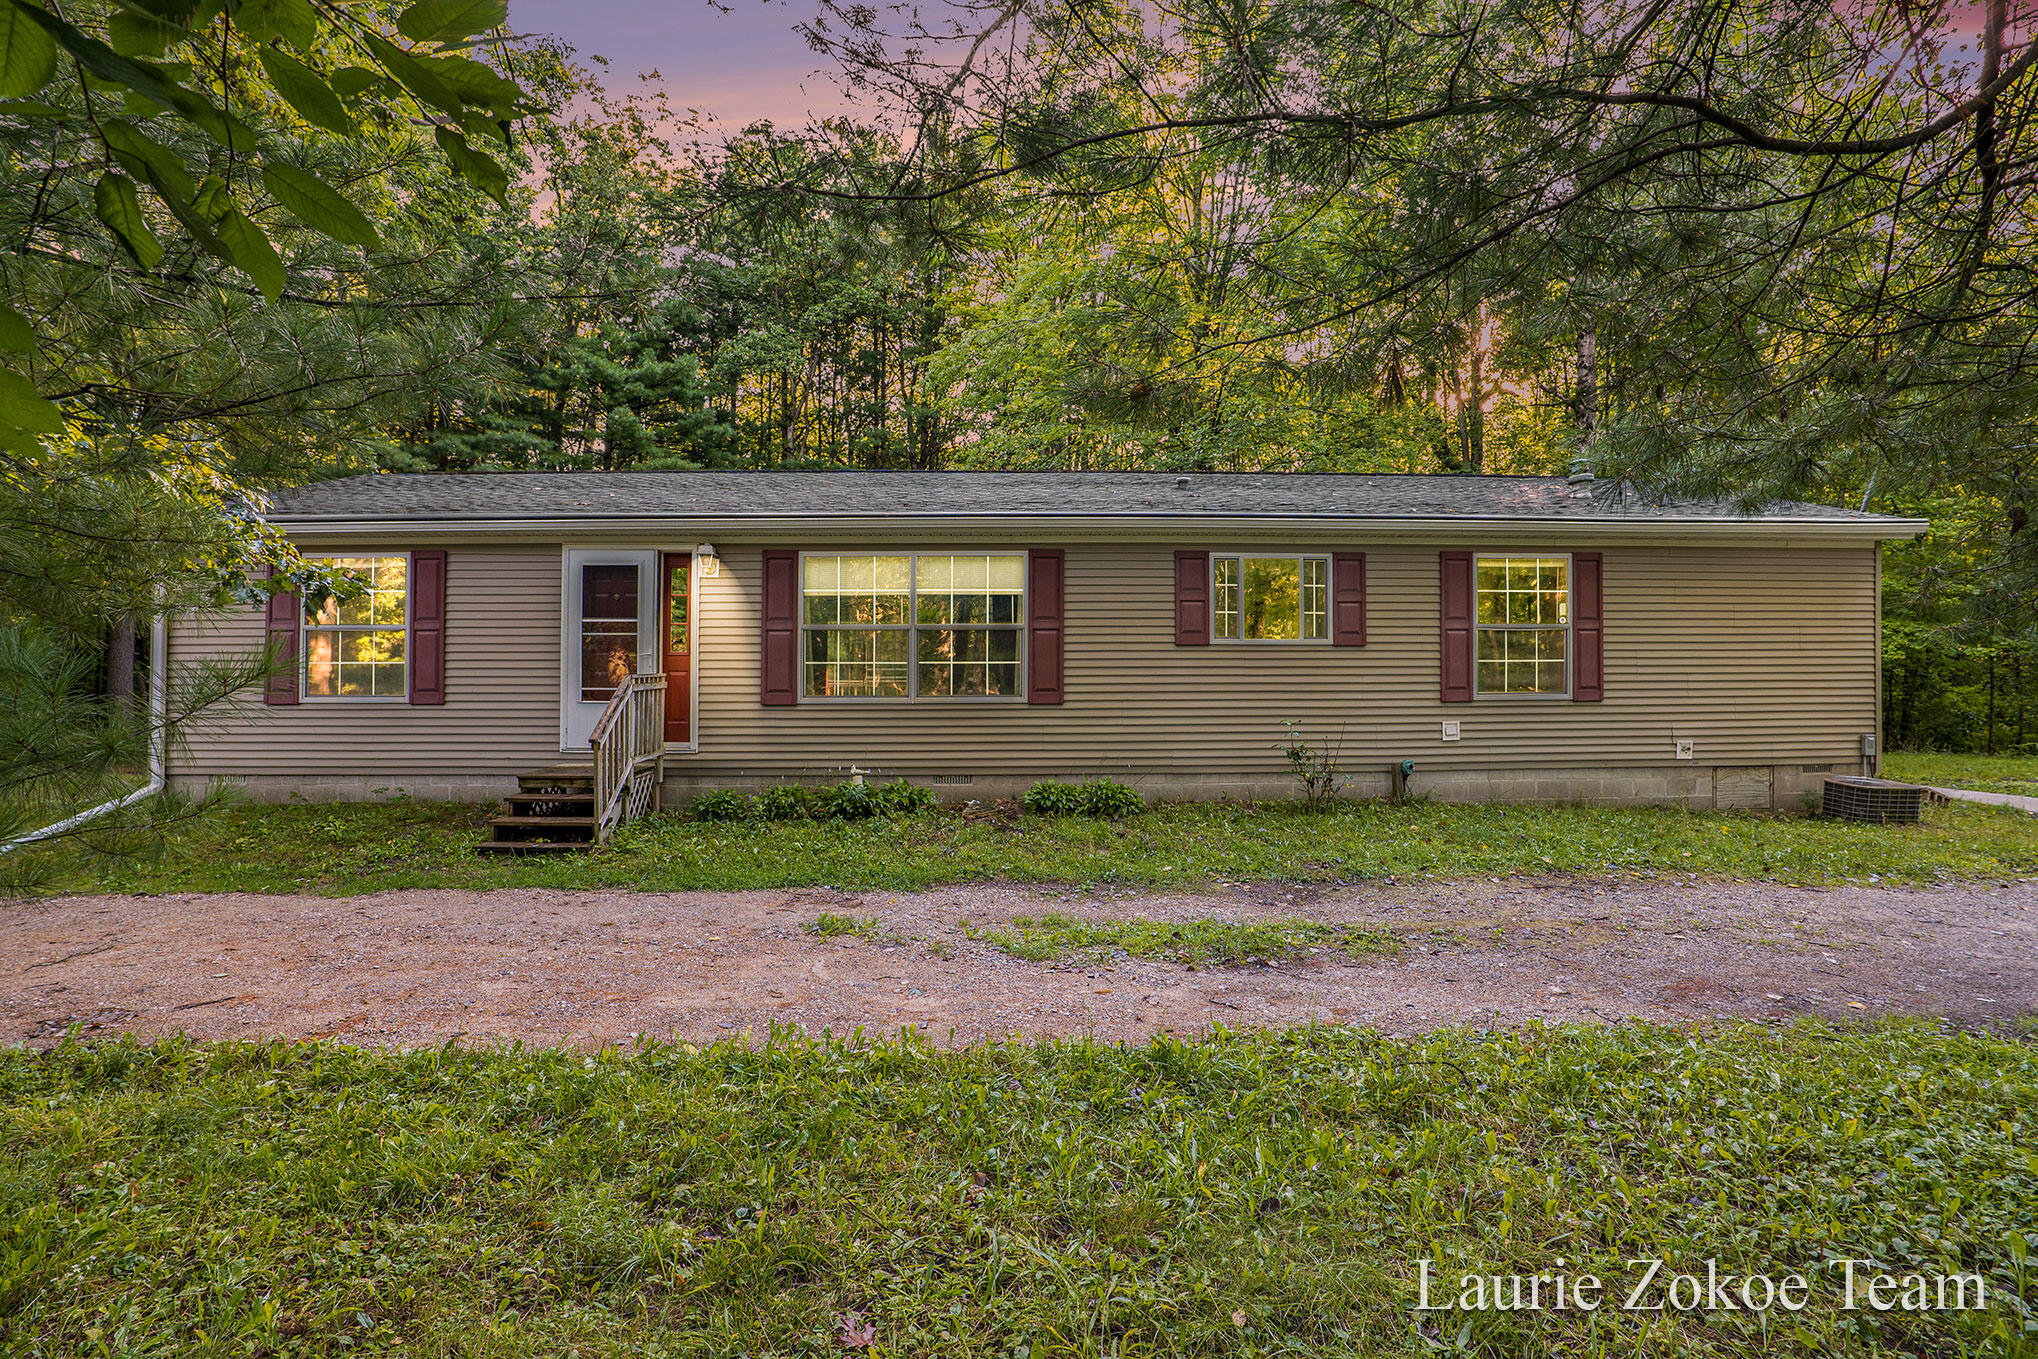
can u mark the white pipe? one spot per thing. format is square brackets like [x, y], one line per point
[159, 733]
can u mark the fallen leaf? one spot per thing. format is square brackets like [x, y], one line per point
[1238, 1318]
[857, 1334]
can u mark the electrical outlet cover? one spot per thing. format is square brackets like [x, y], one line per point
[1450, 731]
[1686, 750]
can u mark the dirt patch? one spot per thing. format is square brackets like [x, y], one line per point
[411, 968]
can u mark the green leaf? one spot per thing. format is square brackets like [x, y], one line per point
[476, 83]
[212, 201]
[16, 333]
[154, 83]
[102, 61]
[22, 407]
[304, 90]
[251, 252]
[31, 108]
[223, 127]
[121, 210]
[28, 54]
[319, 206]
[136, 33]
[291, 20]
[146, 157]
[176, 11]
[412, 74]
[349, 81]
[450, 20]
[482, 123]
[180, 208]
[476, 167]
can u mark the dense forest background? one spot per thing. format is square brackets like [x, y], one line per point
[1695, 249]
[790, 299]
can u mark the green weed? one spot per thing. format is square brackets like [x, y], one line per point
[1253, 1194]
[829, 925]
[365, 847]
[1052, 937]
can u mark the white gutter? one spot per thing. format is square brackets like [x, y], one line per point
[553, 528]
[159, 732]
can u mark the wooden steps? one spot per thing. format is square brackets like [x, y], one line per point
[552, 812]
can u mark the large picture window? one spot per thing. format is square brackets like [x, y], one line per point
[920, 625]
[1269, 599]
[1523, 614]
[355, 648]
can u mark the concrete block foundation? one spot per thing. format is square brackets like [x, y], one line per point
[1772, 788]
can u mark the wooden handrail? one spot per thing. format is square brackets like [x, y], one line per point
[629, 752]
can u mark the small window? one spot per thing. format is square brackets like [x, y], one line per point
[1523, 614]
[928, 625]
[1269, 599]
[677, 590]
[355, 648]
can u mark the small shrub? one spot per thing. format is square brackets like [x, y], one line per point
[787, 802]
[849, 801]
[1053, 799]
[902, 798]
[1103, 798]
[722, 805]
[1110, 800]
[1318, 771]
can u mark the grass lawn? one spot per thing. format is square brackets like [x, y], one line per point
[1989, 773]
[349, 848]
[1053, 936]
[1249, 1195]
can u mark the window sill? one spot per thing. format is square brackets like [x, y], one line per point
[989, 700]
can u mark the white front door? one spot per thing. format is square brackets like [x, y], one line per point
[608, 631]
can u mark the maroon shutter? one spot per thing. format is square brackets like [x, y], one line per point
[1192, 599]
[282, 627]
[427, 647]
[1588, 627]
[1454, 570]
[1043, 625]
[780, 662]
[1348, 599]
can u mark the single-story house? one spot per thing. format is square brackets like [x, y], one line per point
[1519, 638]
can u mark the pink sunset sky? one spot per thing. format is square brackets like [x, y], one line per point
[737, 67]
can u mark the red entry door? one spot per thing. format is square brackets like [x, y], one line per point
[676, 647]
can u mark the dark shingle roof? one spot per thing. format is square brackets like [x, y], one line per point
[834, 495]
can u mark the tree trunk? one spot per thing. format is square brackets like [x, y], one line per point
[2023, 698]
[1475, 409]
[120, 666]
[1587, 412]
[1988, 739]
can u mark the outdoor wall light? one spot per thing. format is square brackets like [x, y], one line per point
[706, 562]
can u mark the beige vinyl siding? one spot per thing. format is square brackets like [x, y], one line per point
[501, 712]
[1759, 655]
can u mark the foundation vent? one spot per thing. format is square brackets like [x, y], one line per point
[1745, 789]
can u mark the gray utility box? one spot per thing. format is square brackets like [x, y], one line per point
[1858, 799]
